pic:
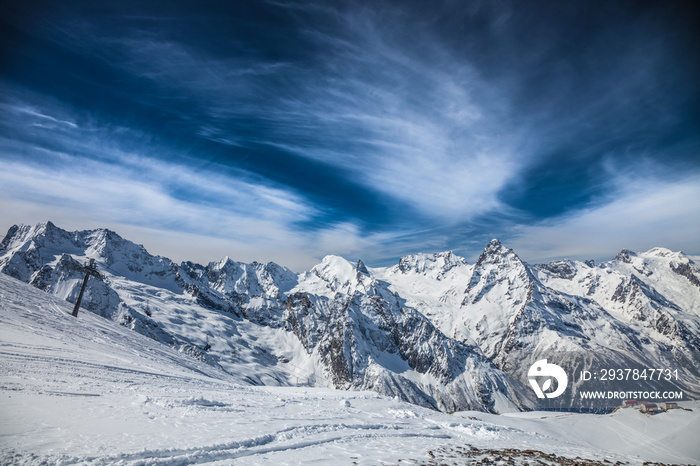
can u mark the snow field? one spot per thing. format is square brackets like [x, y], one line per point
[88, 391]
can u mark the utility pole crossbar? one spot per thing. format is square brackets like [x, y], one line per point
[89, 270]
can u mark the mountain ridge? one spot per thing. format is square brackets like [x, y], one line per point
[432, 329]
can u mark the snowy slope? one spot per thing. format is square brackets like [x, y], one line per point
[89, 391]
[196, 310]
[431, 283]
[656, 294]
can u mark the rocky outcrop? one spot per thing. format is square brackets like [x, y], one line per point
[366, 339]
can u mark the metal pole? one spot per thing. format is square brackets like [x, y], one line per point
[89, 270]
[80, 296]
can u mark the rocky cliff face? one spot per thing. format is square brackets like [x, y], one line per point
[368, 339]
[516, 320]
[647, 295]
[253, 291]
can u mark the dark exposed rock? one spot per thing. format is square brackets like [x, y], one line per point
[685, 270]
[361, 268]
[348, 331]
[360, 331]
[561, 268]
[625, 256]
[506, 456]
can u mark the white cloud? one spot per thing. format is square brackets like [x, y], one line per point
[81, 177]
[151, 202]
[645, 213]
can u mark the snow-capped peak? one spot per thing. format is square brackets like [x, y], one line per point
[336, 266]
[361, 268]
[335, 274]
[221, 264]
[625, 256]
[664, 253]
[495, 251]
[338, 271]
[659, 252]
[498, 264]
[433, 264]
[562, 268]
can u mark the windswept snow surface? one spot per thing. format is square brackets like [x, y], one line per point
[87, 390]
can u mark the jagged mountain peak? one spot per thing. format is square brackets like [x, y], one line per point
[30, 248]
[109, 245]
[655, 261]
[228, 276]
[222, 264]
[437, 263]
[368, 340]
[227, 263]
[635, 258]
[26, 248]
[46, 227]
[498, 262]
[41, 228]
[377, 328]
[361, 268]
[105, 234]
[495, 251]
[625, 256]
[100, 242]
[24, 233]
[8, 238]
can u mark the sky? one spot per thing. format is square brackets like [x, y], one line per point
[288, 130]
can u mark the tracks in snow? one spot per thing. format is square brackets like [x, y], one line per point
[290, 439]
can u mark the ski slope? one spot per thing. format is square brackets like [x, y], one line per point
[89, 391]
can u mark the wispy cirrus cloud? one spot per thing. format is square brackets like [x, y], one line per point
[416, 125]
[82, 177]
[407, 118]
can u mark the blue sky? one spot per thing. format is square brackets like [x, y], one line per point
[288, 130]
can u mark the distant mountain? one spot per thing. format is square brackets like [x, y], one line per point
[369, 339]
[586, 316]
[433, 330]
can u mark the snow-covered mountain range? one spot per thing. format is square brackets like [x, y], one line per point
[433, 329]
[89, 391]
